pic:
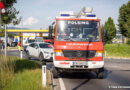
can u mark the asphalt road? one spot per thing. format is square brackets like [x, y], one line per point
[117, 76]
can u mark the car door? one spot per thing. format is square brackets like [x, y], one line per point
[30, 49]
[36, 50]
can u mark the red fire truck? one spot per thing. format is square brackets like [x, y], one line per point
[78, 45]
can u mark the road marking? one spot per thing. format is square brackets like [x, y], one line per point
[62, 85]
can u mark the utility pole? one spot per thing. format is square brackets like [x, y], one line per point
[0, 50]
[5, 41]
[2, 10]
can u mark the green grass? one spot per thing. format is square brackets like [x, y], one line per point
[21, 74]
[9, 48]
[117, 50]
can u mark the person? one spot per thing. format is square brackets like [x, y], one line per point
[19, 46]
[92, 36]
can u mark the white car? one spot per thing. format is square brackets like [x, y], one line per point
[40, 50]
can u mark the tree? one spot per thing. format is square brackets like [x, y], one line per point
[11, 13]
[10, 17]
[124, 19]
[111, 30]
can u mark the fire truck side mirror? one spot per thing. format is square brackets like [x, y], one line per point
[50, 31]
[105, 33]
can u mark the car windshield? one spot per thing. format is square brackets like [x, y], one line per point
[39, 39]
[44, 45]
[78, 30]
[30, 41]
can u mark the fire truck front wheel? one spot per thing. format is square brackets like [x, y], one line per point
[54, 72]
[100, 73]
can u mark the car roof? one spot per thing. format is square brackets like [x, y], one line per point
[40, 42]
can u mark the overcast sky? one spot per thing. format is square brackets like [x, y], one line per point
[38, 14]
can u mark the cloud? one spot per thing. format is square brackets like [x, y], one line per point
[30, 21]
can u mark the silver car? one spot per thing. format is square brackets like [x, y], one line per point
[40, 50]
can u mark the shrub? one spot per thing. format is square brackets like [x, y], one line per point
[128, 42]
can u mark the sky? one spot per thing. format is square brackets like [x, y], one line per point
[39, 14]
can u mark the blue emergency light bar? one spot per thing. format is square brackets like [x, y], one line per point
[91, 15]
[66, 15]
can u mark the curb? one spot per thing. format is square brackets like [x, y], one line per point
[11, 49]
[117, 58]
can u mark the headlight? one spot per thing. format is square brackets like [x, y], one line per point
[46, 52]
[58, 53]
[99, 54]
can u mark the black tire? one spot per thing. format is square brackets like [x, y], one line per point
[100, 73]
[54, 72]
[41, 57]
[28, 55]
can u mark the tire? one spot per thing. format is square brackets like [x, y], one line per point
[54, 72]
[28, 56]
[41, 57]
[100, 73]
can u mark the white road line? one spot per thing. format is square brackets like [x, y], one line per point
[62, 85]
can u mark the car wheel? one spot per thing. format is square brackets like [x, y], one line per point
[28, 55]
[41, 57]
[100, 73]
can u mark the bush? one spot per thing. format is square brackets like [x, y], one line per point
[20, 74]
[128, 42]
[117, 50]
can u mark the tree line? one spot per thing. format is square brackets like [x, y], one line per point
[124, 24]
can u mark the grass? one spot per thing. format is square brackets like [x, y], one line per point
[9, 48]
[21, 74]
[117, 50]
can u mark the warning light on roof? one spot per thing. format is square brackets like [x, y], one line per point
[91, 15]
[66, 15]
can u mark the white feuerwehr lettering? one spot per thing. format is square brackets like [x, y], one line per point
[78, 22]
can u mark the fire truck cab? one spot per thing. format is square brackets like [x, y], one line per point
[78, 45]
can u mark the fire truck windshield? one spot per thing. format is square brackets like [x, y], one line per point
[78, 30]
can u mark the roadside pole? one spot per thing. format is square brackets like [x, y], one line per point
[21, 53]
[0, 50]
[5, 41]
[44, 74]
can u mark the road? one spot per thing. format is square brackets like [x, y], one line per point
[117, 75]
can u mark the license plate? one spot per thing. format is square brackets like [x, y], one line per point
[79, 63]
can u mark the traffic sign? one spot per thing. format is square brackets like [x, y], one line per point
[2, 10]
[1, 5]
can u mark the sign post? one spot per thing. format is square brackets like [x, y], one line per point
[5, 41]
[21, 53]
[2, 10]
[44, 74]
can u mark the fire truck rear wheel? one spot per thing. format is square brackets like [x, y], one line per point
[100, 73]
[54, 72]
